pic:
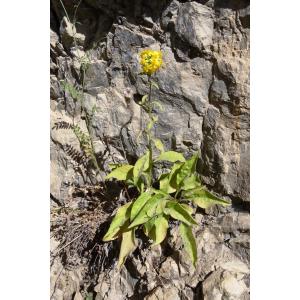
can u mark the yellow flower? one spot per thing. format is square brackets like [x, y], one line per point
[151, 61]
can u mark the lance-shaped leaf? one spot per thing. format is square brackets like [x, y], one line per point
[190, 182]
[149, 229]
[178, 212]
[187, 169]
[173, 174]
[164, 184]
[161, 227]
[140, 166]
[187, 208]
[188, 241]
[148, 211]
[121, 173]
[204, 198]
[118, 221]
[127, 246]
[138, 204]
[171, 156]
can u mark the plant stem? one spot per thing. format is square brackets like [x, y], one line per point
[65, 10]
[149, 134]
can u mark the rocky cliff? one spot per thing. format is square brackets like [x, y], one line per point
[204, 91]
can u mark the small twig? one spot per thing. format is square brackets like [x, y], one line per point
[68, 244]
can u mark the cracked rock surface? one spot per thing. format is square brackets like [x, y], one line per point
[204, 91]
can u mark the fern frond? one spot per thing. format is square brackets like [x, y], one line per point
[62, 125]
[74, 92]
[76, 155]
[85, 142]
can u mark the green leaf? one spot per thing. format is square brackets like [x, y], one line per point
[148, 211]
[164, 184]
[89, 296]
[178, 212]
[204, 198]
[127, 246]
[173, 175]
[154, 84]
[120, 173]
[161, 206]
[161, 227]
[189, 209]
[188, 241]
[190, 182]
[144, 98]
[140, 166]
[187, 169]
[140, 184]
[171, 156]
[149, 229]
[113, 166]
[158, 104]
[138, 204]
[152, 122]
[159, 145]
[118, 221]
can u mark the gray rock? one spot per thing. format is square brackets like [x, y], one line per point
[69, 35]
[195, 24]
[225, 285]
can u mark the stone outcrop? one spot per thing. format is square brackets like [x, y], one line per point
[204, 91]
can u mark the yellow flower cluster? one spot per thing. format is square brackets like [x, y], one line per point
[151, 61]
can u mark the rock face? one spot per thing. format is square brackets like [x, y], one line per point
[204, 91]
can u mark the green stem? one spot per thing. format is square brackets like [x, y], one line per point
[149, 134]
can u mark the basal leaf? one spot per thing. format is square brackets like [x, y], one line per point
[120, 173]
[113, 166]
[161, 227]
[204, 198]
[160, 206]
[140, 166]
[188, 241]
[171, 156]
[149, 229]
[173, 174]
[127, 246]
[148, 211]
[190, 182]
[164, 184]
[138, 204]
[178, 212]
[119, 219]
[148, 226]
[187, 169]
[188, 208]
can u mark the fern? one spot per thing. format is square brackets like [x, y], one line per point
[72, 90]
[85, 144]
[62, 125]
[76, 155]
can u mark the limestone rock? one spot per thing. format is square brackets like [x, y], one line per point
[195, 24]
[68, 34]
